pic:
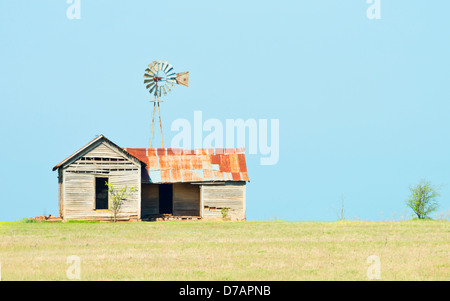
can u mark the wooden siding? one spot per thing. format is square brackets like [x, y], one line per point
[218, 196]
[150, 200]
[101, 160]
[186, 199]
[60, 193]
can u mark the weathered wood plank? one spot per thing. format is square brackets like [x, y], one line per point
[79, 193]
[216, 197]
[150, 199]
[186, 199]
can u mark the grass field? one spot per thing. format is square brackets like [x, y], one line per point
[408, 250]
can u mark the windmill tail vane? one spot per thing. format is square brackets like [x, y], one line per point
[160, 78]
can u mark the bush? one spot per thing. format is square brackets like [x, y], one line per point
[29, 221]
[224, 212]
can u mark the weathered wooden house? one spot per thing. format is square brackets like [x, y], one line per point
[179, 183]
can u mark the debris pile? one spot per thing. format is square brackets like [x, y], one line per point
[48, 218]
[170, 217]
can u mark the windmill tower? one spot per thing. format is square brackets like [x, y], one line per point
[160, 78]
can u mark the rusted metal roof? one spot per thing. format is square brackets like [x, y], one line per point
[170, 165]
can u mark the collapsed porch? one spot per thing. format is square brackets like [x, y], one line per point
[177, 199]
[193, 201]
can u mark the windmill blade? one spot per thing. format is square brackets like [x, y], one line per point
[170, 84]
[164, 65]
[152, 67]
[183, 79]
[168, 88]
[160, 84]
[149, 71]
[158, 66]
[168, 68]
[152, 89]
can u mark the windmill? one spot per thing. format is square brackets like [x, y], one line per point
[160, 78]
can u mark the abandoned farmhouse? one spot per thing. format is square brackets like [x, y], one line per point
[182, 184]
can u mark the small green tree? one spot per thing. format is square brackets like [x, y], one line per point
[118, 196]
[423, 199]
[224, 212]
[340, 212]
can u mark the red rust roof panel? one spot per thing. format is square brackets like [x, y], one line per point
[187, 175]
[228, 151]
[202, 165]
[165, 176]
[234, 163]
[161, 151]
[176, 162]
[224, 164]
[206, 162]
[208, 175]
[151, 152]
[219, 176]
[197, 162]
[140, 153]
[165, 162]
[185, 162]
[176, 176]
[242, 164]
[153, 162]
[236, 176]
[215, 159]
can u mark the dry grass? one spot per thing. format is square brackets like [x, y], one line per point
[408, 250]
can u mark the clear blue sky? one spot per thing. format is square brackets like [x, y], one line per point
[363, 104]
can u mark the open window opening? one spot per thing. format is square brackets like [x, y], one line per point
[101, 193]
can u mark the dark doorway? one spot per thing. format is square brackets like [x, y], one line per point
[101, 193]
[165, 198]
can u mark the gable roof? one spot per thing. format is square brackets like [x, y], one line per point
[95, 141]
[170, 165]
